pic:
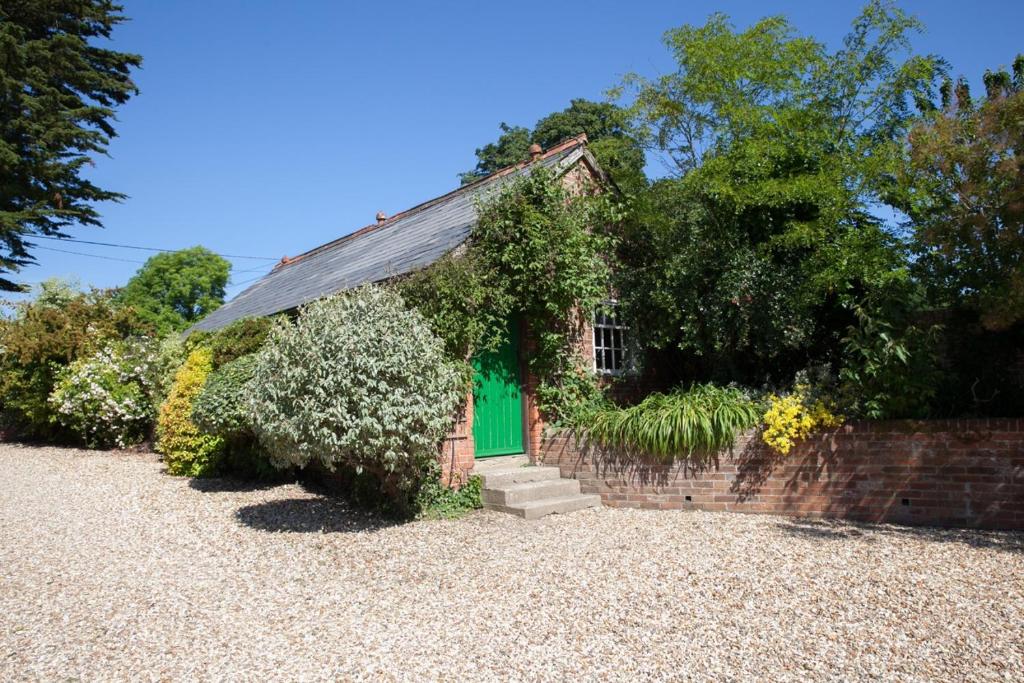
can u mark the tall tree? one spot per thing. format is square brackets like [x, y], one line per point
[965, 197]
[511, 147]
[58, 91]
[605, 124]
[173, 290]
[763, 241]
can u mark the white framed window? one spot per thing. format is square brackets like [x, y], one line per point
[610, 351]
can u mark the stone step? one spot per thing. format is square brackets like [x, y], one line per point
[502, 461]
[506, 476]
[548, 506]
[525, 492]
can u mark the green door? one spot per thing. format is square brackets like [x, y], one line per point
[497, 403]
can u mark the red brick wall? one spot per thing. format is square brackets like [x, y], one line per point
[457, 452]
[966, 473]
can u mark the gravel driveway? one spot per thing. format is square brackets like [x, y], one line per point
[111, 570]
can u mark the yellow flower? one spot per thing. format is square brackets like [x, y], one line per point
[790, 419]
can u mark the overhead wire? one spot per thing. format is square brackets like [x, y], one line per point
[140, 248]
[82, 253]
[243, 282]
[262, 271]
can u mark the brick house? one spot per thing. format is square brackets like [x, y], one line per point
[500, 416]
[951, 473]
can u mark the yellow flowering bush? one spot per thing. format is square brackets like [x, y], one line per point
[186, 449]
[791, 418]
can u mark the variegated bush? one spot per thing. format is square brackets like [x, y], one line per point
[358, 380]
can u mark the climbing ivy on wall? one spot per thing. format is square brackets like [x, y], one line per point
[538, 253]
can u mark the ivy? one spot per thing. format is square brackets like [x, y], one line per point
[538, 253]
[460, 304]
[434, 500]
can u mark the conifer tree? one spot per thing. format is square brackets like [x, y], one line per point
[58, 91]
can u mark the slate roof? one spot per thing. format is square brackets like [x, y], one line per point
[403, 243]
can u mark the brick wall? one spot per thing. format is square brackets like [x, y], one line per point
[966, 473]
[457, 451]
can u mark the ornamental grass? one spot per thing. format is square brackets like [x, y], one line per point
[692, 424]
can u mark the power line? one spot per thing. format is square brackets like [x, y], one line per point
[131, 246]
[235, 284]
[82, 253]
[261, 271]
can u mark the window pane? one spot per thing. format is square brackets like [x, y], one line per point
[609, 339]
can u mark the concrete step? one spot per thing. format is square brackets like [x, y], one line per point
[538, 508]
[525, 492]
[506, 476]
[501, 461]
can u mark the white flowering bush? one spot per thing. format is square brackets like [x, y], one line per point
[358, 381]
[106, 399]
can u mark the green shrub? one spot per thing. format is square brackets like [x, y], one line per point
[358, 381]
[187, 450]
[222, 408]
[244, 458]
[888, 371]
[434, 500]
[240, 338]
[106, 399]
[171, 353]
[462, 307]
[692, 424]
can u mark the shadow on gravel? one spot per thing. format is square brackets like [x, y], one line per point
[231, 485]
[1009, 541]
[309, 516]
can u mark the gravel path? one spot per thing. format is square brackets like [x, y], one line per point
[111, 570]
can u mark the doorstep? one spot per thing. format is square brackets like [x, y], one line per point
[483, 465]
[512, 485]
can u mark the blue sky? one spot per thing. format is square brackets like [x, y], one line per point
[266, 128]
